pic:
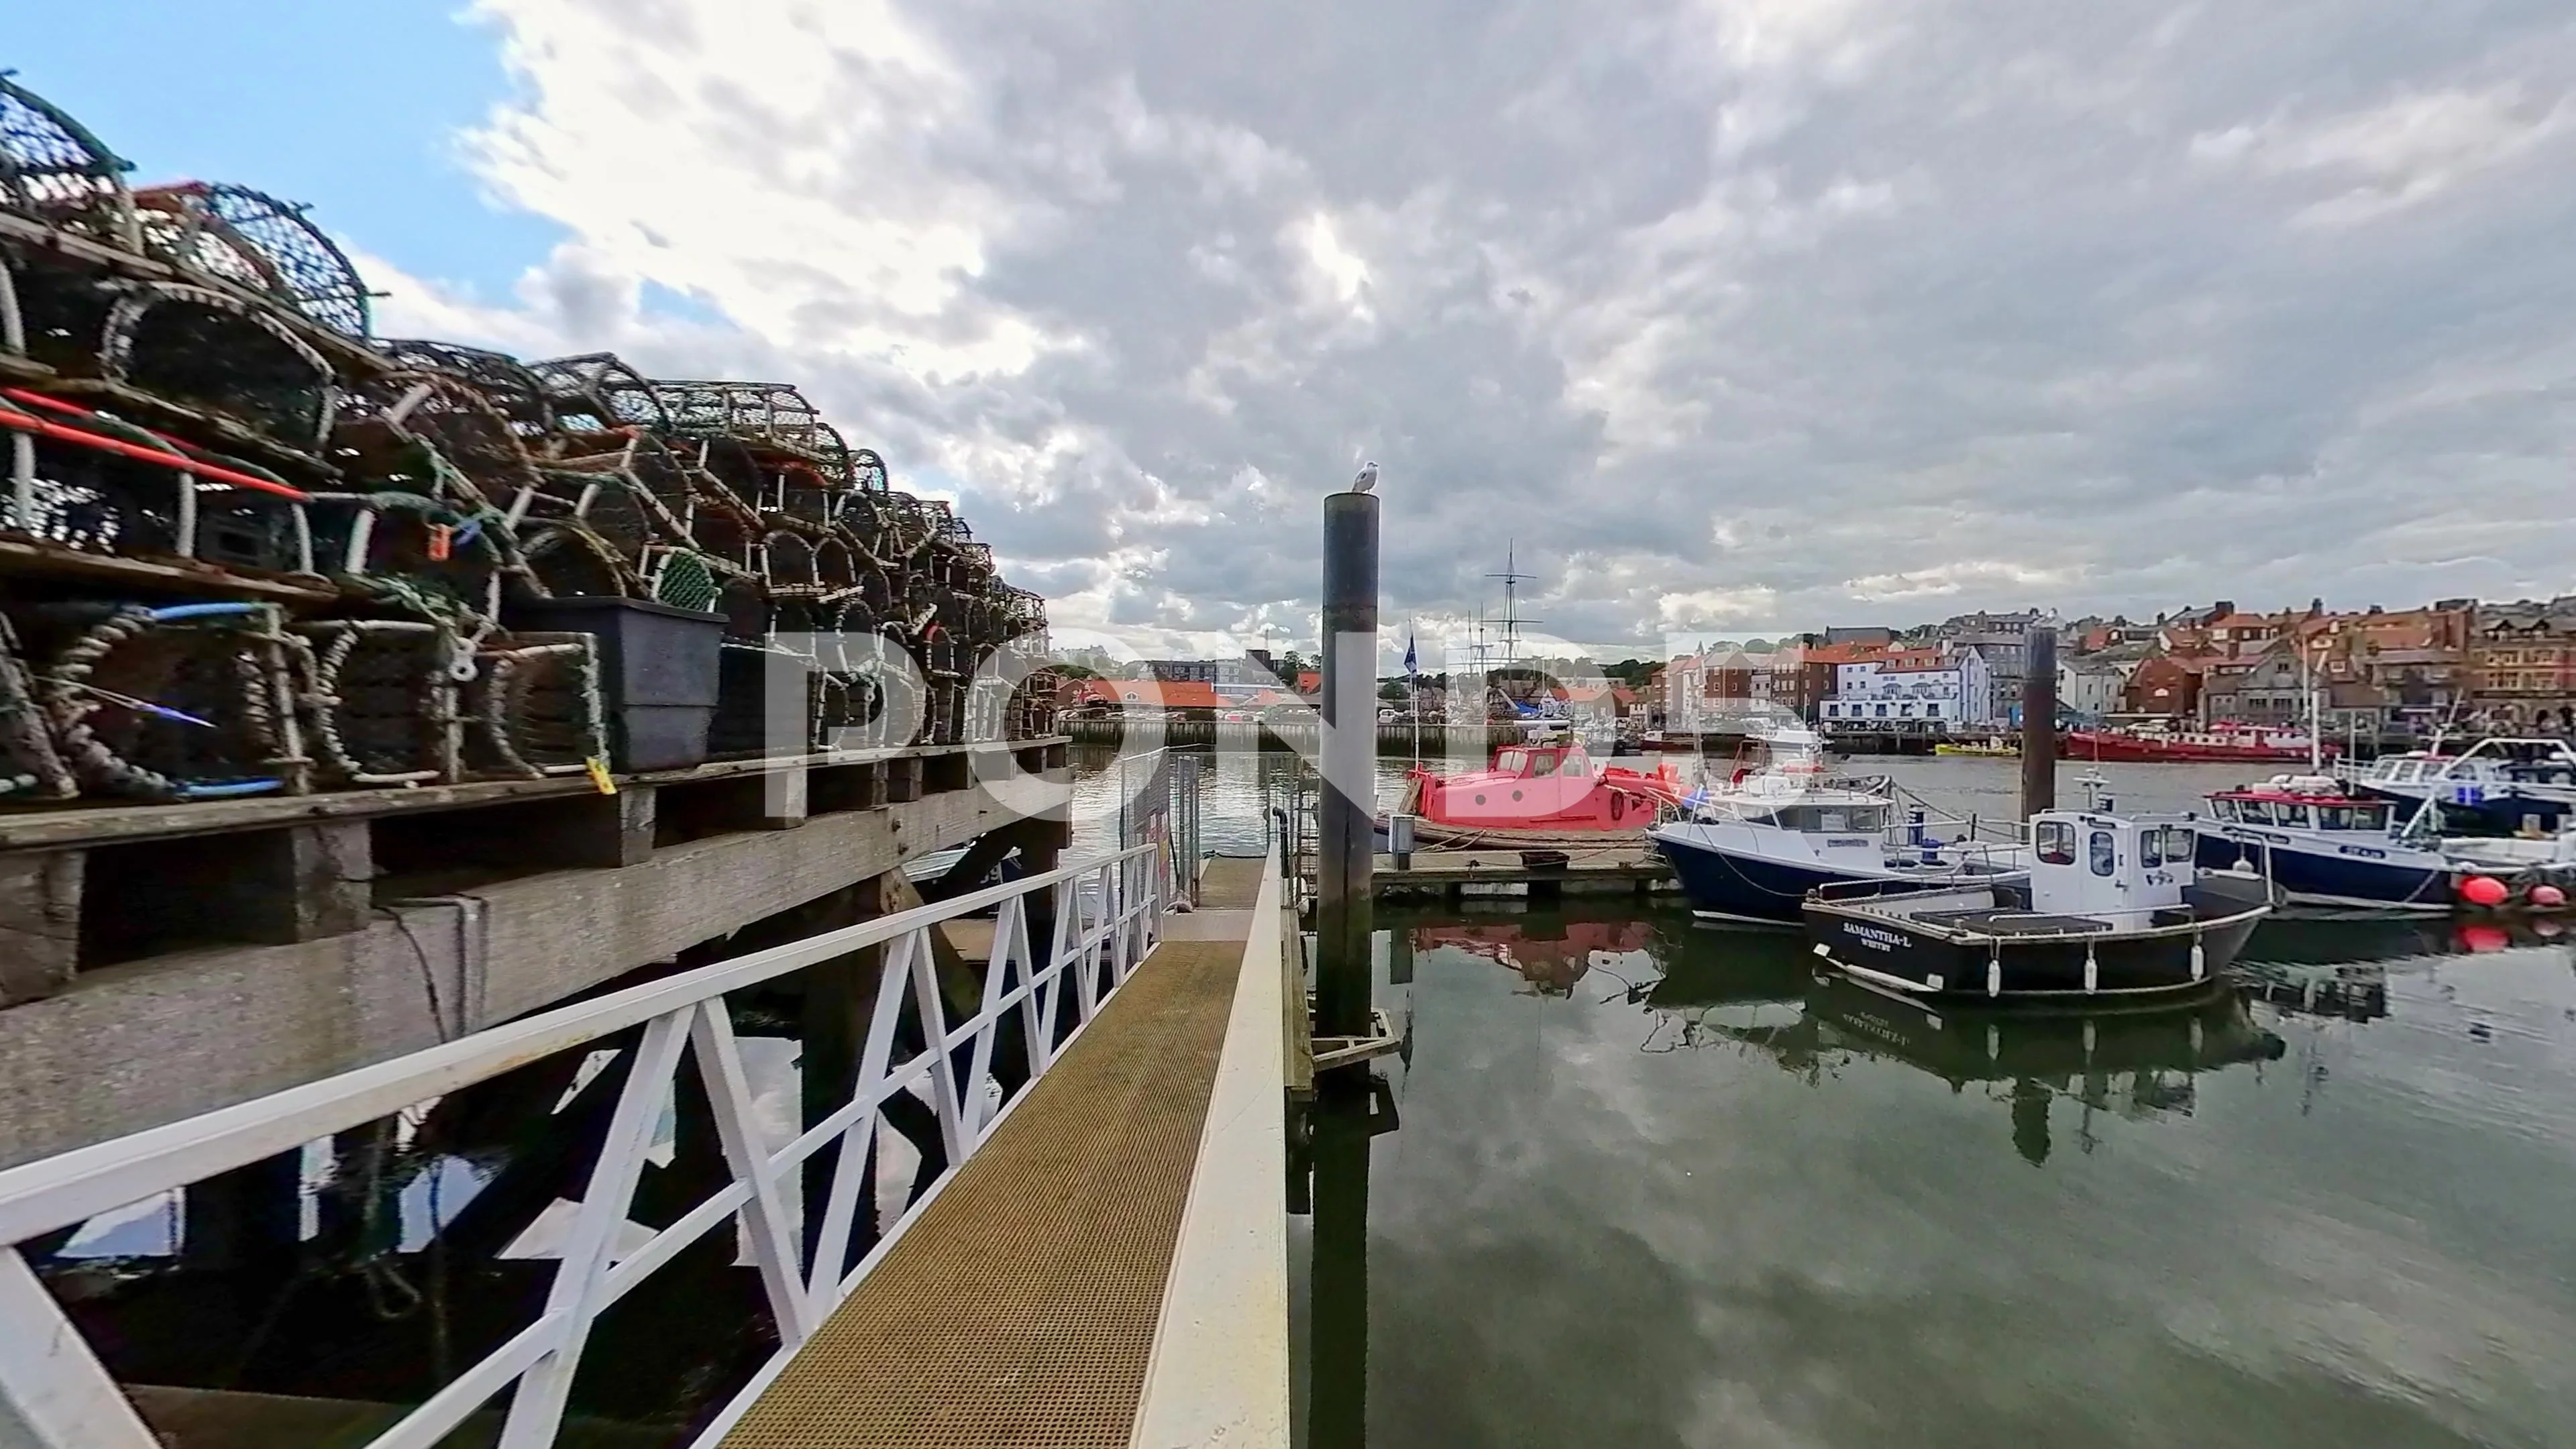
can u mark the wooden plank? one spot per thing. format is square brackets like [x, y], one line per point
[23, 557]
[41, 826]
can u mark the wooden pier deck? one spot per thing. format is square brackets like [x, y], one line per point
[1102, 1270]
[1628, 868]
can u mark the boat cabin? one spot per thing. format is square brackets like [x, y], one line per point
[1860, 818]
[2284, 809]
[2083, 863]
[1543, 762]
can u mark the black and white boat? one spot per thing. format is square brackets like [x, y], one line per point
[2114, 906]
[1753, 851]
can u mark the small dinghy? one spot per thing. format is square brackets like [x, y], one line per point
[2114, 906]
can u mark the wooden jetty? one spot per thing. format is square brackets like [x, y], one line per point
[1626, 868]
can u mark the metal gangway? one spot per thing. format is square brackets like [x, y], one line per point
[1110, 1230]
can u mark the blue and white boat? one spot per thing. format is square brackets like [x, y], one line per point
[2497, 786]
[2321, 844]
[1752, 852]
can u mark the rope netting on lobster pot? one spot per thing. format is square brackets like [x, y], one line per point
[255, 242]
[436, 435]
[770, 412]
[597, 392]
[382, 699]
[533, 708]
[426, 555]
[87, 480]
[687, 579]
[721, 521]
[504, 384]
[799, 490]
[221, 355]
[787, 562]
[567, 560]
[177, 702]
[53, 311]
[30, 767]
[646, 466]
[868, 471]
[54, 171]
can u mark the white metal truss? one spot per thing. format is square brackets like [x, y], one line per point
[55, 1393]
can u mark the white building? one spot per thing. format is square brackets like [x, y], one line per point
[1915, 689]
[2090, 688]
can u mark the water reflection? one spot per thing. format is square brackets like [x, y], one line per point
[1662, 1184]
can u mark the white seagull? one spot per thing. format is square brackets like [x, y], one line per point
[1367, 478]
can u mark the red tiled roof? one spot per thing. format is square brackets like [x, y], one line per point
[1167, 694]
[1846, 653]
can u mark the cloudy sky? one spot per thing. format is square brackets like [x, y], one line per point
[1730, 316]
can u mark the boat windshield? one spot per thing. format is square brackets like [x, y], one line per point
[1512, 762]
[1831, 819]
[2352, 817]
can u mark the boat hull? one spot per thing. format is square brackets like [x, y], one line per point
[1744, 888]
[1891, 954]
[2114, 747]
[2342, 874]
[1735, 886]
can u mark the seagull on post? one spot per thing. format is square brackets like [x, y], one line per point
[1367, 478]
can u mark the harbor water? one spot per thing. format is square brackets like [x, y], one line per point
[1654, 1182]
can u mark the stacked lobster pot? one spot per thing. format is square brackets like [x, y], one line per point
[247, 546]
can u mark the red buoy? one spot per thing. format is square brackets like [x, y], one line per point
[2547, 897]
[2483, 890]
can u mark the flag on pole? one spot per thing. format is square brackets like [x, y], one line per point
[1411, 667]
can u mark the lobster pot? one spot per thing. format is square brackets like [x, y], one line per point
[1033, 705]
[30, 767]
[63, 310]
[91, 498]
[567, 561]
[845, 709]
[413, 547]
[187, 702]
[220, 355]
[787, 560]
[383, 703]
[988, 709]
[533, 706]
[749, 695]
[836, 564]
[943, 714]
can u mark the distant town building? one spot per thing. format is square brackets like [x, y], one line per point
[2091, 686]
[1195, 671]
[1918, 689]
[2523, 658]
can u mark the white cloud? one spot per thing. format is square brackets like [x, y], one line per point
[2398, 154]
[1726, 313]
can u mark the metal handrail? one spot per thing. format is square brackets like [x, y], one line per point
[1107, 915]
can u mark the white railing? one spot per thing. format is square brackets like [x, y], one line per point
[54, 1391]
